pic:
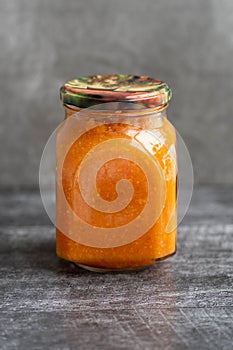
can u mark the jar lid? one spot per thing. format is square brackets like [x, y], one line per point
[87, 91]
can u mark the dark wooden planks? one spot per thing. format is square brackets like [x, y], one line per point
[185, 302]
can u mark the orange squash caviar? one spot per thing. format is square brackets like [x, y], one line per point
[155, 143]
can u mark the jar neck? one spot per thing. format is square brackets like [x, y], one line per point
[70, 110]
[148, 118]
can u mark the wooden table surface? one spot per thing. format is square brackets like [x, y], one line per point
[185, 302]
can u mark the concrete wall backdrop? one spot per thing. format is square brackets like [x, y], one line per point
[189, 44]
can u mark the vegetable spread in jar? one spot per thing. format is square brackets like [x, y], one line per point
[116, 173]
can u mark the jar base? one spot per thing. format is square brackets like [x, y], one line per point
[121, 270]
[112, 270]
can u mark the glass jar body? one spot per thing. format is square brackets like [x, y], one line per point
[154, 136]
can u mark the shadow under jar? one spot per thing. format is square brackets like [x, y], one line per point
[116, 173]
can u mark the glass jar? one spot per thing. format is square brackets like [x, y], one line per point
[116, 173]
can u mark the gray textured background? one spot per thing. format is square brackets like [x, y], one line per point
[189, 44]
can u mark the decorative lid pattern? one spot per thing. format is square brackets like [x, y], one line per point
[87, 91]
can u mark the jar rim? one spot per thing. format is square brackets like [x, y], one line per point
[116, 111]
[84, 92]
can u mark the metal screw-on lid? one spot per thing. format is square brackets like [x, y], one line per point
[87, 91]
